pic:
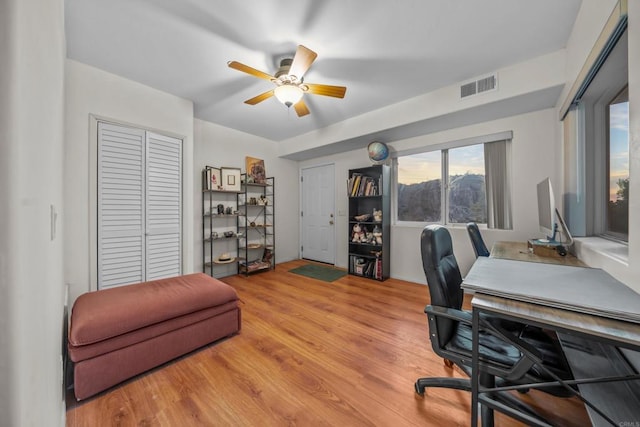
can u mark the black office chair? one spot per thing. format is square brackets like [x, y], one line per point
[451, 335]
[477, 242]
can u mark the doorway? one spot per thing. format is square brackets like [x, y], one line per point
[317, 188]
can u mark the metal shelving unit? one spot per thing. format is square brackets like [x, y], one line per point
[256, 223]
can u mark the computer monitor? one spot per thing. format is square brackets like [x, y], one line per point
[549, 218]
[546, 209]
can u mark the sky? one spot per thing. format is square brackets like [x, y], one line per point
[427, 166]
[619, 146]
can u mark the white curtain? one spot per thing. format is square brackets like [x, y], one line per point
[497, 178]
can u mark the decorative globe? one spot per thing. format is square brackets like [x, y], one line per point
[378, 152]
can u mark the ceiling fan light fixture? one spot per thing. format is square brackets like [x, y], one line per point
[289, 81]
[288, 94]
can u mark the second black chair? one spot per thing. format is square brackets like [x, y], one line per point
[477, 242]
[451, 334]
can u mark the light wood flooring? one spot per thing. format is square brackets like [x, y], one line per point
[310, 353]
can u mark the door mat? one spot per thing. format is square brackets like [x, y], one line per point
[320, 272]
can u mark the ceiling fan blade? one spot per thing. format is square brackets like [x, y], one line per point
[326, 90]
[301, 108]
[259, 98]
[249, 70]
[302, 60]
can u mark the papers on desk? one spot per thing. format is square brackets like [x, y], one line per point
[580, 289]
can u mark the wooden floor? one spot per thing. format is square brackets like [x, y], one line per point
[310, 353]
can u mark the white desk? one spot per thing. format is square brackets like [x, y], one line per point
[579, 301]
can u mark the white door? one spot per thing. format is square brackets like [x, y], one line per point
[139, 205]
[163, 207]
[121, 216]
[317, 215]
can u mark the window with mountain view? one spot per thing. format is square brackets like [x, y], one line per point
[421, 197]
[420, 187]
[467, 194]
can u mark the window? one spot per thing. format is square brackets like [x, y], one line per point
[421, 195]
[467, 195]
[597, 149]
[618, 166]
[419, 192]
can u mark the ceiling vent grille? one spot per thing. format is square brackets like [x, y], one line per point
[468, 90]
[475, 87]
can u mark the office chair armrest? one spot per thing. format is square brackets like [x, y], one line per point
[449, 313]
[464, 316]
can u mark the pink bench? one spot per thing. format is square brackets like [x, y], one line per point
[121, 332]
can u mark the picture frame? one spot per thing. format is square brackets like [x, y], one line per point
[215, 178]
[255, 170]
[230, 179]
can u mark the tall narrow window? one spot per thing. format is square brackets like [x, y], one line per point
[596, 156]
[419, 192]
[618, 166]
[467, 194]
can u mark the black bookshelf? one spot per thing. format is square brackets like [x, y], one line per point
[368, 192]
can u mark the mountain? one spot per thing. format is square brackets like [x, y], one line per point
[421, 201]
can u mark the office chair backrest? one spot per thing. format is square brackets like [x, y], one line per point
[443, 274]
[477, 242]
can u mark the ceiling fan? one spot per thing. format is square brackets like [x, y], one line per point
[289, 81]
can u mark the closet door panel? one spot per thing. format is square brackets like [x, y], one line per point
[121, 216]
[164, 206]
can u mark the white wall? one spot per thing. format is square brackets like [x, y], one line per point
[90, 91]
[533, 151]
[589, 23]
[592, 16]
[32, 48]
[220, 146]
[531, 76]
[533, 146]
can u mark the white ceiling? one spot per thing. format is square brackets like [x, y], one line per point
[383, 51]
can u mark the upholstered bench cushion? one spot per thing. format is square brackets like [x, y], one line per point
[102, 315]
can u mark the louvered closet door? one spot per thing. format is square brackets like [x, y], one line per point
[139, 205]
[121, 198]
[164, 206]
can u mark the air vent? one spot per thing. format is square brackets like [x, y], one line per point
[484, 84]
[488, 83]
[468, 89]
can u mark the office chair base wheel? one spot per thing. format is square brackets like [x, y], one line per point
[455, 383]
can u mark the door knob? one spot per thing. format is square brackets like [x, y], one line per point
[330, 222]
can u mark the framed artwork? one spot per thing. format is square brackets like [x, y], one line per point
[215, 178]
[230, 179]
[255, 170]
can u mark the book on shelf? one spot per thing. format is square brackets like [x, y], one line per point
[367, 267]
[355, 184]
[359, 185]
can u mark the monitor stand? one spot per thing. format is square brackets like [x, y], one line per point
[546, 247]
